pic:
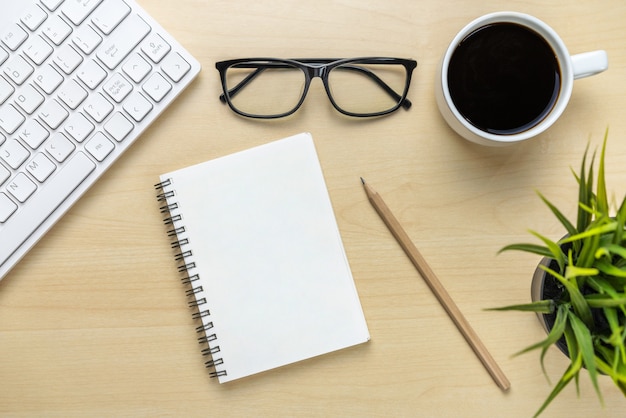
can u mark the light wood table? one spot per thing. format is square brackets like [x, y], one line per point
[94, 320]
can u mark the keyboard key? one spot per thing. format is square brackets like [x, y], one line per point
[7, 207]
[56, 30]
[40, 167]
[118, 127]
[136, 68]
[52, 4]
[14, 37]
[126, 37]
[14, 154]
[52, 114]
[3, 55]
[21, 187]
[155, 47]
[175, 67]
[99, 146]
[6, 90]
[4, 174]
[38, 50]
[55, 192]
[157, 87]
[29, 99]
[98, 107]
[72, 94]
[78, 127]
[86, 39]
[48, 79]
[10, 118]
[34, 17]
[18, 69]
[117, 87]
[91, 74]
[77, 11]
[59, 147]
[33, 134]
[107, 18]
[137, 106]
[67, 59]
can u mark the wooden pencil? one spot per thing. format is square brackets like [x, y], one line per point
[436, 287]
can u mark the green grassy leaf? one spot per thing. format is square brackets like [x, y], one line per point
[610, 250]
[555, 249]
[529, 248]
[556, 332]
[610, 269]
[601, 196]
[579, 304]
[605, 301]
[600, 230]
[616, 338]
[603, 286]
[607, 284]
[572, 370]
[574, 352]
[541, 306]
[591, 240]
[585, 343]
[584, 193]
[579, 272]
[554, 335]
[586, 257]
[569, 227]
[571, 272]
[621, 221]
[619, 378]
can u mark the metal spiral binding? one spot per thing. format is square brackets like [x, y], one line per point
[179, 244]
[168, 208]
[218, 374]
[190, 279]
[211, 350]
[182, 256]
[186, 267]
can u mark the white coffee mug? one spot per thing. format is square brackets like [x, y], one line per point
[570, 67]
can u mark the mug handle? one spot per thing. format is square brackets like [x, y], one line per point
[589, 63]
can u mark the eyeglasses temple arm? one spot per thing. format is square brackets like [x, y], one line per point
[232, 92]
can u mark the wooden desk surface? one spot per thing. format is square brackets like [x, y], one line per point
[94, 321]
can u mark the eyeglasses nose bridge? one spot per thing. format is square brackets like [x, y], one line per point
[316, 71]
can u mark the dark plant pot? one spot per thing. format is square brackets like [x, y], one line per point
[544, 286]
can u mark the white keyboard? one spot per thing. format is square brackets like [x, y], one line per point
[80, 80]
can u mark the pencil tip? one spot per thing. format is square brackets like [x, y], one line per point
[362, 180]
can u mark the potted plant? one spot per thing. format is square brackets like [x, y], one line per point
[580, 285]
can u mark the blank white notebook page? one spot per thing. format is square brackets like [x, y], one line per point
[269, 257]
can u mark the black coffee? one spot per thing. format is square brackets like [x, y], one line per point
[504, 78]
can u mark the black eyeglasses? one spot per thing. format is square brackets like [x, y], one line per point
[270, 88]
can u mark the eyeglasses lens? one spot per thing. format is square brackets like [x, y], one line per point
[366, 87]
[264, 88]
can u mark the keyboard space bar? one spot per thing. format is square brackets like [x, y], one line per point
[22, 224]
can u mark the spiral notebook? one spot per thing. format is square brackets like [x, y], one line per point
[260, 249]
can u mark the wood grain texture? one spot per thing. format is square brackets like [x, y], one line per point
[94, 320]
